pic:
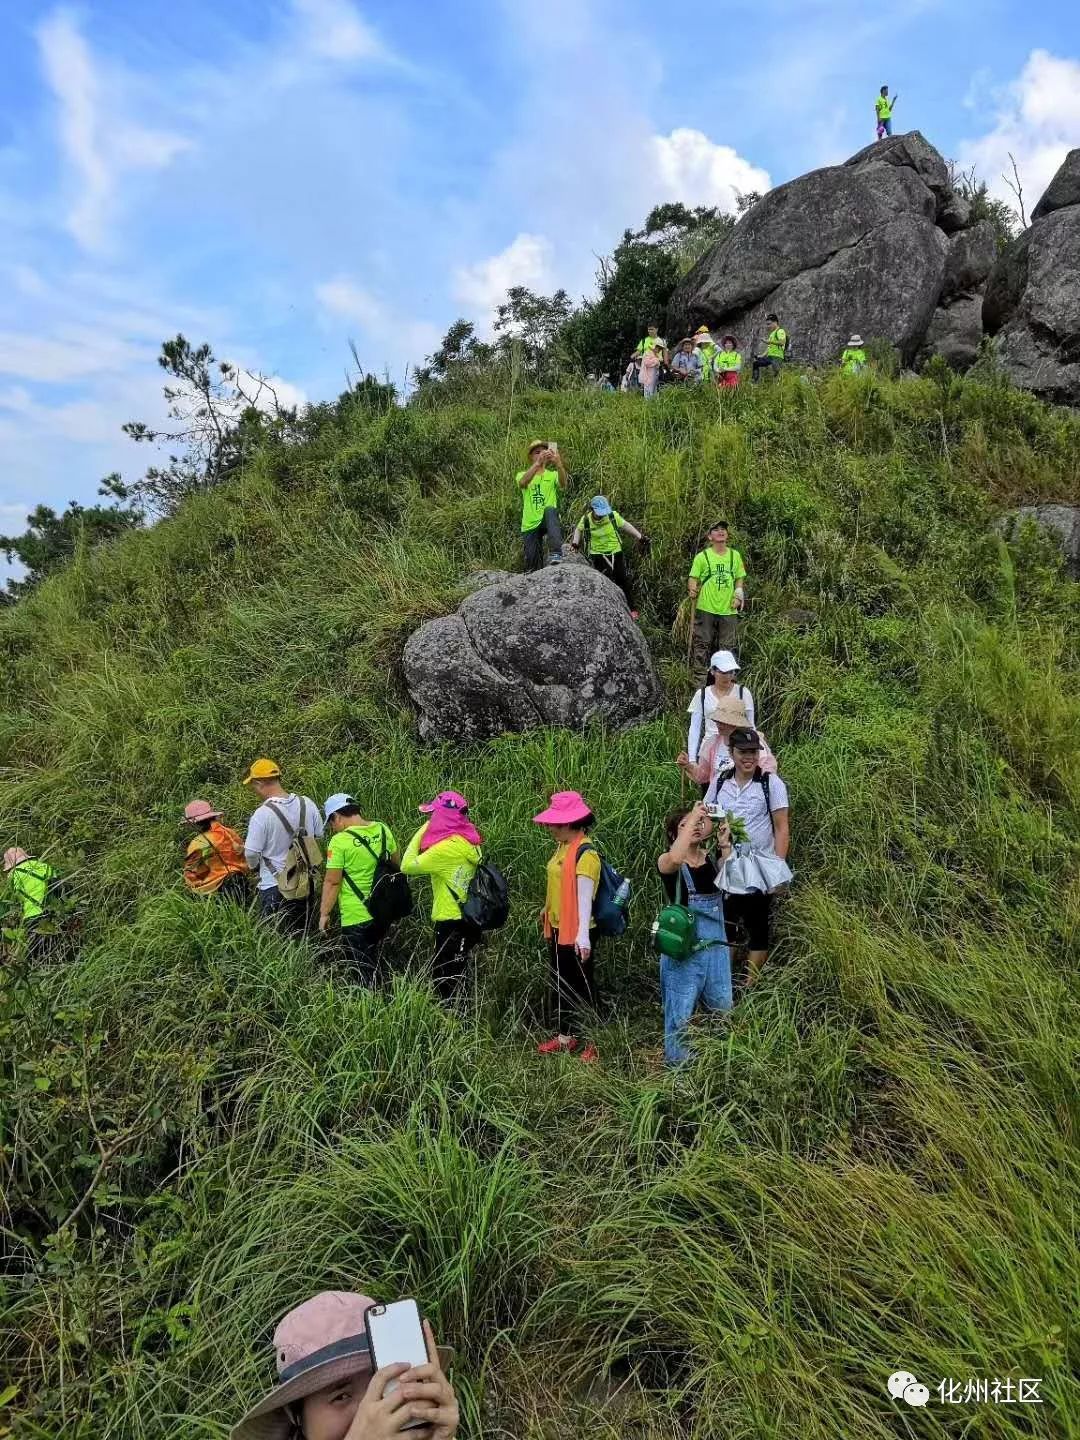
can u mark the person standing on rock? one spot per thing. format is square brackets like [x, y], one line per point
[775, 347]
[600, 526]
[853, 360]
[540, 485]
[727, 364]
[715, 585]
[883, 108]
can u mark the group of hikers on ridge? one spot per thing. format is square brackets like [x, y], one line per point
[699, 359]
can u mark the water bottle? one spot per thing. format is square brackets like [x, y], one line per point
[621, 898]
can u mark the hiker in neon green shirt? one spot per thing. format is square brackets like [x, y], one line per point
[727, 364]
[716, 587]
[355, 847]
[600, 526]
[26, 893]
[883, 108]
[853, 360]
[540, 485]
[775, 347]
[706, 348]
[447, 850]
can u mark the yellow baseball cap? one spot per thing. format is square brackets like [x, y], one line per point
[262, 770]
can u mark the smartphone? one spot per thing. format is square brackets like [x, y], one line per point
[553, 446]
[716, 812]
[396, 1336]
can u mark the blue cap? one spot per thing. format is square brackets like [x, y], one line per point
[600, 505]
[336, 803]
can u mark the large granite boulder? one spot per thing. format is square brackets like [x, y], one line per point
[554, 648]
[955, 332]
[1032, 300]
[972, 255]
[1060, 521]
[850, 247]
[1064, 188]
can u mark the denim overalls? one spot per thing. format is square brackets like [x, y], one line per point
[705, 975]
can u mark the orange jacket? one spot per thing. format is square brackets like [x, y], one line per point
[211, 856]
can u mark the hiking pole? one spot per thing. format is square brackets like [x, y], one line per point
[689, 656]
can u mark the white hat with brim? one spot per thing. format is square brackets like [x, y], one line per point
[855, 340]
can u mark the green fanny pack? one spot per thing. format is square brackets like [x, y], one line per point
[674, 931]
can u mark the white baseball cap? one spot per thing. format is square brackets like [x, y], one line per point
[724, 660]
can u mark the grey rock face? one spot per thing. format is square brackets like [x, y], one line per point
[971, 257]
[955, 332]
[554, 648]
[1063, 521]
[849, 247]
[1032, 305]
[1063, 190]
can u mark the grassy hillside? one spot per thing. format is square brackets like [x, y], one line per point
[873, 1164]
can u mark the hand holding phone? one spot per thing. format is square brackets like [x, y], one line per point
[396, 1337]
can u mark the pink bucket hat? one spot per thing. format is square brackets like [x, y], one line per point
[445, 800]
[322, 1341]
[14, 856]
[566, 808]
[196, 810]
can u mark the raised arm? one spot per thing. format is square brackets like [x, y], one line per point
[530, 475]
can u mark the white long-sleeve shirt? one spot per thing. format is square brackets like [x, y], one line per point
[701, 710]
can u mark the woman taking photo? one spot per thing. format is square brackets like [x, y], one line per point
[691, 876]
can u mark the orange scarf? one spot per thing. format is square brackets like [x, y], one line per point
[568, 907]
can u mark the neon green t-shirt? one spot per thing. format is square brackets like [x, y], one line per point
[604, 538]
[449, 864]
[727, 360]
[651, 342]
[708, 355]
[717, 574]
[883, 106]
[346, 853]
[852, 361]
[542, 494]
[776, 346]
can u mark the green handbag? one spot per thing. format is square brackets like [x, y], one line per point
[674, 931]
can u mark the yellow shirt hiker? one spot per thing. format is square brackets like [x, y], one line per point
[715, 585]
[853, 360]
[541, 494]
[601, 524]
[347, 853]
[446, 850]
[883, 108]
[717, 575]
[540, 485]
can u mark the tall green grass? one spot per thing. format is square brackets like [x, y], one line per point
[872, 1164]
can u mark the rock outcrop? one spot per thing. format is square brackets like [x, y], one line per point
[861, 246]
[1061, 521]
[1032, 301]
[554, 648]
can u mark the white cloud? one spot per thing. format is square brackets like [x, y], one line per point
[98, 143]
[71, 354]
[333, 30]
[1037, 120]
[692, 168]
[398, 340]
[526, 261]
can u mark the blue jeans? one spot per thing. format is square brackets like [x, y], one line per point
[705, 976]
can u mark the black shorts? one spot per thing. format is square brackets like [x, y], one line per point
[747, 919]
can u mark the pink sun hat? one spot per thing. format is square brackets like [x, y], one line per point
[321, 1342]
[196, 810]
[445, 800]
[566, 808]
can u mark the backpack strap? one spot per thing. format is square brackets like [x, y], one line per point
[359, 840]
[763, 780]
[283, 820]
[701, 732]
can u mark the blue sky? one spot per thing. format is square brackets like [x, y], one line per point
[281, 176]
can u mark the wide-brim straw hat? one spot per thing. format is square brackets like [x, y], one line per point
[321, 1342]
[730, 711]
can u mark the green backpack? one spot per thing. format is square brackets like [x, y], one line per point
[674, 931]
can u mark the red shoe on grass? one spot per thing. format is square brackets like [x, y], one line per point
[557, 1043]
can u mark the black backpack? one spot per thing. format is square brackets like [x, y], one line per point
[391, 898]
[486, 904]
